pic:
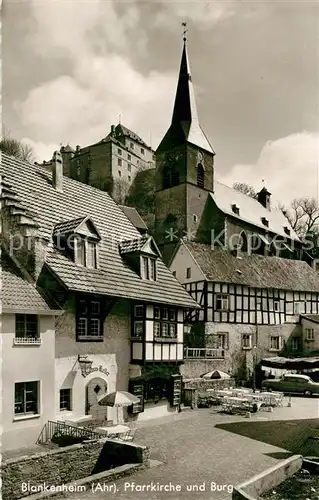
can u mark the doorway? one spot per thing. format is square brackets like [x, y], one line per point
[96, 387]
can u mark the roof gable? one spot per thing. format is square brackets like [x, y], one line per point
[145, 244]
[83, 226]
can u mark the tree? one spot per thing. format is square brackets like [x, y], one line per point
[245, 188]
[303, 215]
[13, 147]
[120, 190]
[142, 196]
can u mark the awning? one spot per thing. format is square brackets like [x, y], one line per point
[291, 363]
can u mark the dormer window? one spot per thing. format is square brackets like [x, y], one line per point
[141, 255]
[148, 268]
[79, 238]
[85, 253]
[235, 208]
[265, 221]
[287, 230]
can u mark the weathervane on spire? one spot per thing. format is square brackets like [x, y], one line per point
[184, 24]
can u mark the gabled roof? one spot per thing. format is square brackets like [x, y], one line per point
[253, 270]
[121, 130]
[314, 318]
[133, 215]
[185, 125]
[250, 210]
[33, 184]
[144, 244]
[18, 294]
[75, 226]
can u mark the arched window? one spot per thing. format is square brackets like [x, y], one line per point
[200, 176]
[243, 242]
[256, 244]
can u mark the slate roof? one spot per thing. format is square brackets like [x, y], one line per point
[128, 133]
[33, 184]
[254, 270]
[185, 123]
[16, 293]
[250, 210]
[68, 226]
[314, 318]
[133, 245]
[133, 215]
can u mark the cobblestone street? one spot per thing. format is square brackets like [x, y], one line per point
[195, 452]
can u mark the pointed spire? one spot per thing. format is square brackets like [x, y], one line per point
[185, 124]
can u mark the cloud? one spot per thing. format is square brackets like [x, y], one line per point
[41, 151]
[201, 12]
[289, 167]
[102, 84]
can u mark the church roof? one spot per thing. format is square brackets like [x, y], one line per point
[257, 271]
[250, 210]
[185, 125]
[33, 185]
[133, 215]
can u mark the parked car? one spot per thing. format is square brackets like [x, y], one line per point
[291, 383]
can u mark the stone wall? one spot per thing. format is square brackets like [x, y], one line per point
[64, 465]
[204, 384]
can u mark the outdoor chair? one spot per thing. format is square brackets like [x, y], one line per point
[128, 436]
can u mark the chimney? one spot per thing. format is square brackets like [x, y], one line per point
[264, 198]
[57, 171]
[112, 130]
[78, 148]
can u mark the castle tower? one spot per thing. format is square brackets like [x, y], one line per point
[184, 169]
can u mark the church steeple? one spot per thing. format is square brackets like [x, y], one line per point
[185, 125]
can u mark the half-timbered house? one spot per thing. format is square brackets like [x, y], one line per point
[122, 321]
[252, 306]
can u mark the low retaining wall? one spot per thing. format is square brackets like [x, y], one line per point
[68, 464]
[203, 384]
[270, 478]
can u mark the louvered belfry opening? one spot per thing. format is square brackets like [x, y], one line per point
[200, 176]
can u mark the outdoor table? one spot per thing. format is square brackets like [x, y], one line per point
[221, 392]
[113, 430]
[241, 404]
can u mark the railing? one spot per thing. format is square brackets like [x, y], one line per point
[204, 353]
[52, 428]
[27, 340]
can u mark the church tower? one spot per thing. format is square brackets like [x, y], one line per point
[184, 169]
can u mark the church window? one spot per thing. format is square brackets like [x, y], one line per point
[243, 242]
[200, 176]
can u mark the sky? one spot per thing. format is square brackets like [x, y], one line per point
[72, 68]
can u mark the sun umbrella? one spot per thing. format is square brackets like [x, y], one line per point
[117, 399]
[216, 374]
